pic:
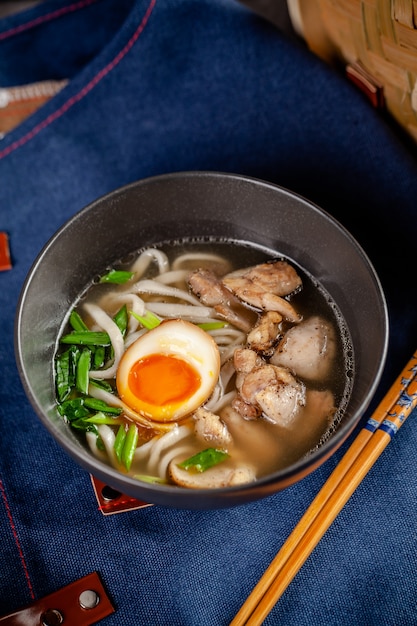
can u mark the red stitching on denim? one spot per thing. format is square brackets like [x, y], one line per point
[16, 539]
[88, 87]
[46, 18]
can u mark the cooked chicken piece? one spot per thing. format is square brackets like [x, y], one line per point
[209, 427]
[278, 277]
[263, 300]
[245, 409]
[265, 334]
[263, 286]
[245, 360]
[211, 292]
[255, 381]
[308, 349]
[215, 477]
[236, 314]
[207, 287]
[274, 391]
[279, 403]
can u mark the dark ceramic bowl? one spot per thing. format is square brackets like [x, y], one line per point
[197, 204]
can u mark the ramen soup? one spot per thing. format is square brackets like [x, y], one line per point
[183, 366]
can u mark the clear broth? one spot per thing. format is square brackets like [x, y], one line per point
[260, 443]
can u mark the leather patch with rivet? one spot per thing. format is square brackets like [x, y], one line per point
[81, 603]
[111, 501]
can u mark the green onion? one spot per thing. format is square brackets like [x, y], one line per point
[63, 375]
[101, 418]
[77, 322]
[65, 370]
[83, 367]
[73, 409]
[87, 338]
[211, 325]
[101, 384]
[121, 319]
[75, 355]
[82, 424]
[148, 321]
[119, 442]
[99, 405]
[129, 446]
[117, 277]
[99, 354]
[203, 460]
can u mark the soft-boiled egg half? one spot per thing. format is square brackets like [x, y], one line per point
[169, 371]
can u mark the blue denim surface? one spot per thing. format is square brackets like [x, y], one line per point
[171, 85]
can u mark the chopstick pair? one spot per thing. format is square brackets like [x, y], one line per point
[366, 448]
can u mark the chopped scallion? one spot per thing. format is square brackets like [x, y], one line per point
[87, 338]
[77, 322]
[65, 370]
[83, 367]
[117, 277]
[121, 319]
[99, 405]
[129, 446]
[73, 409]
[148, 321]
[119, 442]
[101, 384]
[212, 325]
[99, 354]
[63, 375]
[83, 425]
[101, 418]
[203, 460]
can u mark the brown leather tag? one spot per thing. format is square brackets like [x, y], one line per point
[111, 501]
[5, 261]
[372, 89]
[17, 103]
[81, 603]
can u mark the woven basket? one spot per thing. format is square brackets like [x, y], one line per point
[375, 40]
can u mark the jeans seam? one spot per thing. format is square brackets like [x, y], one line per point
[16, 539]
[85, 90]
[45, 18]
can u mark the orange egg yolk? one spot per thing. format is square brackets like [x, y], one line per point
[162, 380]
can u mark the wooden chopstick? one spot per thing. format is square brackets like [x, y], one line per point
[366, 448]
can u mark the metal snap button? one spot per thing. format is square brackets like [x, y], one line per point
[89, 599]
[52, 617]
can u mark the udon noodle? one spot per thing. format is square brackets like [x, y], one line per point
[264, 375]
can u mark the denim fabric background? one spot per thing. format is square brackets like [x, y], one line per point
[171, 85]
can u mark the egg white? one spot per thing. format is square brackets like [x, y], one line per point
[180, 339]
